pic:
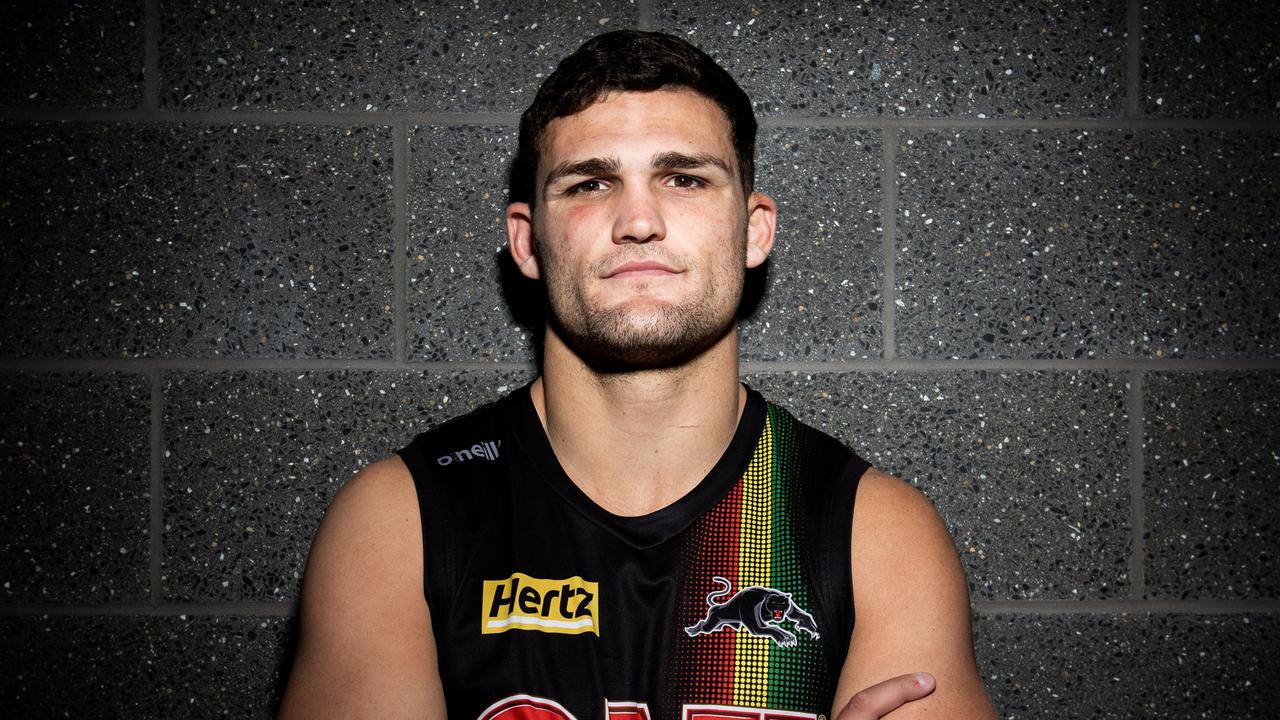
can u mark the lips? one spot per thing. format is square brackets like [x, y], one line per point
[641, 268]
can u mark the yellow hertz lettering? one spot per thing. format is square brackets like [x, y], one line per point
[521, 602]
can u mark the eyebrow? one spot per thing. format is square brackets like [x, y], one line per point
[670, 160]
[592, 166]
[680, 161]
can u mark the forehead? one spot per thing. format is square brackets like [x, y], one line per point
[639, 124]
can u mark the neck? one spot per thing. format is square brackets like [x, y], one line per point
[637, 441]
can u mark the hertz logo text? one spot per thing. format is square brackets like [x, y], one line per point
[520, 602]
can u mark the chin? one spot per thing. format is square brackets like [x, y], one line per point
[659, 335]
[621, 358]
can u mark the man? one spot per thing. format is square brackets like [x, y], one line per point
[635, 534]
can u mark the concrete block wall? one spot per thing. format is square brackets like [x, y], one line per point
[1027, 261]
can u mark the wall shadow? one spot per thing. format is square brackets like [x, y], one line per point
[526, 301]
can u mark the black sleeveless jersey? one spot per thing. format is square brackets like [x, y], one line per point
[732, 603]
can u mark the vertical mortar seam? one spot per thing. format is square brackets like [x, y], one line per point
[1137, 468]
[644, 14]
[400, 239]
[156, 532]
[150, 55]
[1133, 61]
[888, 241]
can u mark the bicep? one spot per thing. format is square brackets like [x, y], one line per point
[911, 604]
[365, 647]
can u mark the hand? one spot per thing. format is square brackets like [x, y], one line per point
[881, 699]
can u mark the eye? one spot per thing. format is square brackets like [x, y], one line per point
[586, 187]
[686, 181]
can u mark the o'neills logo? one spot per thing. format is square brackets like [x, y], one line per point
[487, 450]
[521, 602]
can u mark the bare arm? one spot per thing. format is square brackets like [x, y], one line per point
[365, 648]
[912, 604]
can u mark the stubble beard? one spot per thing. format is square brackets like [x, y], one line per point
[645, 335]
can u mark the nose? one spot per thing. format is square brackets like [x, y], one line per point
[639, 217]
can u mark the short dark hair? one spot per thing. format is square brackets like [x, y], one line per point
[635, 61]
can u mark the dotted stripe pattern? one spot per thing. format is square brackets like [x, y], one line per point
[704, 665]
[751, 679]
[798, 677]
[754, 536]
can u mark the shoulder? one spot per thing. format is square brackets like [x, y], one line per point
[377, 486]
[911, 602]
[362, 653]
[903, 562]
[373, 522]
[888, 500]
[897, 533]
[378, 476]
[370, 536]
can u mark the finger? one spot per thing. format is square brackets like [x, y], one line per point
[883, 698]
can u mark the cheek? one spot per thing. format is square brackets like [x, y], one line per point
[580, 214]
[718, 224]
[568, 238]
[578, 228]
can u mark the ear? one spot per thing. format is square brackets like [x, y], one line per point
[520, 240]
[762, 219]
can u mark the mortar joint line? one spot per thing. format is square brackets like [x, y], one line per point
[218, 118]
[143, 365]
[223, 609]
[1210, 606]
[889, 223]
[1137, 469]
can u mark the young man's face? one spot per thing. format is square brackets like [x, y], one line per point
[642, 233]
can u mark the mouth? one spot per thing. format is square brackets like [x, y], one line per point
[641, 268]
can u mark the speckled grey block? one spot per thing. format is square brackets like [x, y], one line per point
[1129, 666]
[822, 294]
[188, 240]
[1219, 58]
[142, 667]
[1087, 243]
[81, 55]
[253, 459]
[1001, 60]
[1029, 469]
[384, 55]
[458, 309]
[1212, 456]
[220, 666]
[74, 501]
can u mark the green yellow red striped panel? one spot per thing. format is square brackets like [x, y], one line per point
[751, 538]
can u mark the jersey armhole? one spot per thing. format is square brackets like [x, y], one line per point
[437, 555]
[836, 569]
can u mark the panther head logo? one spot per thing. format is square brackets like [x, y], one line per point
[758, 610]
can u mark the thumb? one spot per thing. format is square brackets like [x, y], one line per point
[883, 698]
